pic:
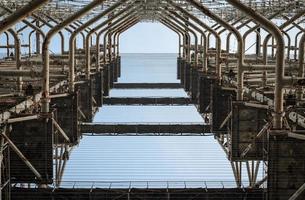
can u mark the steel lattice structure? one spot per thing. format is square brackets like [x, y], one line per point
[253, 103]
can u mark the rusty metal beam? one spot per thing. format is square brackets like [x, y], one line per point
[100, 128]
[240, 44]
[115, 25]
[130, 15]
[209, 29]
[45, 50]
[174, 18]
[280, 63]
[122, 30]
[148, 101]
[94, 30]
[72, 43]
[21, 14]
[26, 22]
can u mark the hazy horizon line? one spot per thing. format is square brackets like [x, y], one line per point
[150, 52]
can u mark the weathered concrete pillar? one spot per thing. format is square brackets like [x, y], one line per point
[106, 73]
[220, 106]
[85, 99]
[246, 122]
[194, 83]
[111, 73]
[182, 70]
[179, 67]
[115, 70]
[98, 94]
[119, 66]
[286, 166]
[205, 84]
[67, 116]
[38, 39]
[187, 76]
[33, 139]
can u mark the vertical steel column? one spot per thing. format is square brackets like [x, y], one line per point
[189, 29]
[7, 44]
[114, 25]
[122, 30]
[301, 66]
[108, 30]
[28, 24]
[62, 37]
[37, 33]
[258, 42]
[115, 44]
[81, 33]
[190, 69]
[301, 56]
[281, 27]
[131, 18]
[238, 36]
[86, 42]
[17, 46]
[187, 45]
[194, 70]
[183, 66]
[230, 33]
[259, 25]
[114, 30]
[209, 29]
[288, 44]
[193, 26]
[295, 25]
[215, 27]
[37, 39]
[1, 161]
[185, 69]
[280, 63]
[179, 49]
[30, 42]
[95, 29]
[180, 36]
[45, 52]
[296, 44]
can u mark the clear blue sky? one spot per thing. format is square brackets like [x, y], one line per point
[149, 38]
[154, 158]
